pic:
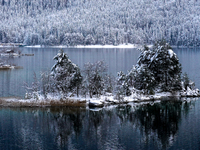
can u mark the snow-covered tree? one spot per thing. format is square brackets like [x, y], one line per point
[185, 80]
[158, 67]
[144, 80]
[109, 82]
[122, 87]
[94, 77]
[66, 74]
[33, 90]
[187, 83]
[47, 84]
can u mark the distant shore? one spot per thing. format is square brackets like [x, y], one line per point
[129, 45]
[67, 46]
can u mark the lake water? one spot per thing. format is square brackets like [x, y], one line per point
[12, 81]
[166, 125]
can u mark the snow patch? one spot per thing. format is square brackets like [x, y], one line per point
[109, 46]
[102, 101]
[171, 53]
[34, 46]
[139, 46]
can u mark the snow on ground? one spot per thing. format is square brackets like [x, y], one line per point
[139, 46]
[109, 46]
[91, 46]
[35, 46]
[102, 101]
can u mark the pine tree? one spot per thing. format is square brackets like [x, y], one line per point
[165, 66]
[158, 67]
[66, 74]
[144, 80]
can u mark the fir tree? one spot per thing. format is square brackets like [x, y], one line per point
[144, 80]
[66, 74]
[158, 67]
[165, 66]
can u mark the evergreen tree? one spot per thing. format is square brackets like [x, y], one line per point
[165, 66]
[144, 80]
[158, 67]
[66, 74]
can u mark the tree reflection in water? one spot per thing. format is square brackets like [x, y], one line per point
[142, 126]
[158, 122]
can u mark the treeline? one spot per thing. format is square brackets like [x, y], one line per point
[74, 22]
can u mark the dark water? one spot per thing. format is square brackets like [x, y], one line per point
[165, 125]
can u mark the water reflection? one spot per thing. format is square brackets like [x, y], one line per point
[146, 126]
[160, 120]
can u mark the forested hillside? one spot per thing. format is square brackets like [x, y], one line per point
[75, 22]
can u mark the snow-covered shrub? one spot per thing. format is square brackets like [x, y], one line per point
[47, 84]
[187, 83]
[122, 87]
[33, 90]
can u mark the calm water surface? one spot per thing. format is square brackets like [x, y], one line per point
[166, 125]
[12, 81]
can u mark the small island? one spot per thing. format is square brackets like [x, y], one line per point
[157, 75]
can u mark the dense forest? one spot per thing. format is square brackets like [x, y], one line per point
[75, 22]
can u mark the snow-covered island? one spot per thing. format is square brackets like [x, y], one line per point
[157, 75]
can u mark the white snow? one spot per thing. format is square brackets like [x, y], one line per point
[190, 93]
[102, 101]
[34, 46]
[171, 53]
[108, 46]
[91, 46]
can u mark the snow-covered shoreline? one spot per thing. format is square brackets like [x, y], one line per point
[78, 46]
[89, 46]
[136, 86]
[102, 101]
[125, 46]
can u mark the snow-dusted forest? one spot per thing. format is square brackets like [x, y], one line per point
[84, 22]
